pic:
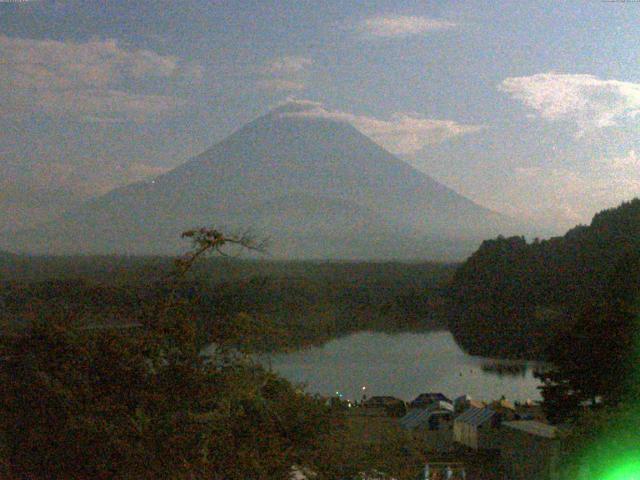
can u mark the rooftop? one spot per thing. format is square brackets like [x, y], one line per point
[476, 416]
[533, 428]
[440, 405]
[425, 398]
[418, 417]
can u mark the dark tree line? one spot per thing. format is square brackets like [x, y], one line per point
[510, 298]
[302, 303]
[574, 301]
[595, 357]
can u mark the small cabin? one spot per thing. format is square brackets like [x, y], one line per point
[431, 428]
[530, 410]
[438, 416]
[475, 428]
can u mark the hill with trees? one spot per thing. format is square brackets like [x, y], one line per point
[511, 297]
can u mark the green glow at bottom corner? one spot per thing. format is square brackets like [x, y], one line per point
[624, 471]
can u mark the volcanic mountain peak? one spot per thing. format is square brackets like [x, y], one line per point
[297, 173]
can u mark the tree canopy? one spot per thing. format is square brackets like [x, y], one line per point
[595, 357]
[139, 400]
[511, 297]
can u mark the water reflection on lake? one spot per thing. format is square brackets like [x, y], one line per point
[404, 365]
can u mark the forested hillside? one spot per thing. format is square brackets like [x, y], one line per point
[510, 297]
[292, 304]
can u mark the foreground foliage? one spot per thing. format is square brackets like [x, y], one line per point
[140, 401]
[137, 399]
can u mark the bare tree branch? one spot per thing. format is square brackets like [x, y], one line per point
[211, 240]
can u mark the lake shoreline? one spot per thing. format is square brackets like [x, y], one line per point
[404, 365]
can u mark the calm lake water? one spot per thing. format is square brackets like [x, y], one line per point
[404, 365]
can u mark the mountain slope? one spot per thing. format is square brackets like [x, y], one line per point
[303, 182]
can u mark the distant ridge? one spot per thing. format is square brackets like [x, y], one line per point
[317, 187]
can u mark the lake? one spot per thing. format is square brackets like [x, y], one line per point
[404, 365]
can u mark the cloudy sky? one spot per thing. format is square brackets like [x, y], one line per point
[530, 108]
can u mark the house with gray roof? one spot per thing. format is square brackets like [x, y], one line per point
[431, 427]
[438, 416]
[475, 428]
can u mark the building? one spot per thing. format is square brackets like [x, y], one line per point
[505, 408]
[465, 402]
[438, 416]
[475, 428]
[529, 449]
[425, 399]
[431, 428]
[382, 401]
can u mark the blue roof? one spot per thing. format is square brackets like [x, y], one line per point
[420, 416]
[414, 419]
[476, 416]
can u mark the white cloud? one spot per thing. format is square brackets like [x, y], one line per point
[586, 100]
[286, 73]
[389, 26]
[276, 84]
[403, 133]
[567, 196]
[287, 65]
[629, 161]
[93, 79]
